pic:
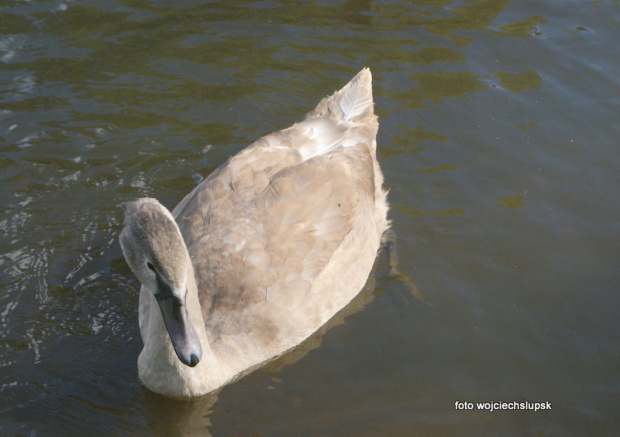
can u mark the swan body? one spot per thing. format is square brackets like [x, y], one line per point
[263, 252]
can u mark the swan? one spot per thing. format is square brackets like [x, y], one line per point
[263, 252]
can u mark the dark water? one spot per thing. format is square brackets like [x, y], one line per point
[499, 140]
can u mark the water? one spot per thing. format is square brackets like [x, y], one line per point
[499, 142]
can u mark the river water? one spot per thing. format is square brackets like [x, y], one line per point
[499, 142]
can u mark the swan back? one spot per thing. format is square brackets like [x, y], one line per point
[285, 233]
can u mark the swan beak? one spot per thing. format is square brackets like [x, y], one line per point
[180, 329]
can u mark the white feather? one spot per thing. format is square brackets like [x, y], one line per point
[356, 98]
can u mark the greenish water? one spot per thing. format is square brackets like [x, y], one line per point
[498, 139]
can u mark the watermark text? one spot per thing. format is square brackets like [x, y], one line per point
[502, 405]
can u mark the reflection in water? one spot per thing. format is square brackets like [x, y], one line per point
[530, 125]
[446, 212]
[528, 27]
[516, 82]
[441, 85]
[511, 201]
[441, 167]
[170, 417]
[406, 143]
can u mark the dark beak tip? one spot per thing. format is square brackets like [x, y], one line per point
[193, 360]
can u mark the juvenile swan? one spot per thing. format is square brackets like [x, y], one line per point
[263, 252]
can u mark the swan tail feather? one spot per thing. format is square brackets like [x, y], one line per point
[353, 100]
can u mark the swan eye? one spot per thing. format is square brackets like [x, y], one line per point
[150, 266]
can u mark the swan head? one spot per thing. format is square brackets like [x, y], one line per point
[156, 253]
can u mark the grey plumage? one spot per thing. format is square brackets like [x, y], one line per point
[278, 239]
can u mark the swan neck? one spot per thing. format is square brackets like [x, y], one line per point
[158, 365]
